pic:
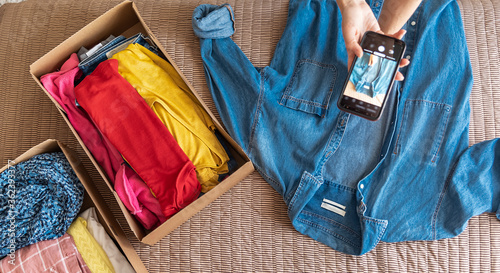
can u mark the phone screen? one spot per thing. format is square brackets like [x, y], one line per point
[371, 76]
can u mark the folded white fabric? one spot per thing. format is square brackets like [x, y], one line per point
[95, 228]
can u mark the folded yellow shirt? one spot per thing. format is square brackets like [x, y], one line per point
[92, 253]
[169, 97]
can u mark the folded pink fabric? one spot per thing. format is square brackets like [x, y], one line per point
[57, 255]
[132, 127]
[136, 195]
[133, 192]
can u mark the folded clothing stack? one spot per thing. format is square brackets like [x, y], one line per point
[39, 228]
[140, 121]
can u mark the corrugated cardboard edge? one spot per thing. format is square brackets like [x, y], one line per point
[195, 207]
[98, 29]
[52, 145]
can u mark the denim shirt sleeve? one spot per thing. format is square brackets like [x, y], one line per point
[214, 25]
[469, 192]
[213, 22]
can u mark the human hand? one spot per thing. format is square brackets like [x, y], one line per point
[358, 18]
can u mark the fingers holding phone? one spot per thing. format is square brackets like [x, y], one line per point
[372, 75]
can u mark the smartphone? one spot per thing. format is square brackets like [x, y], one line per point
[371, 77]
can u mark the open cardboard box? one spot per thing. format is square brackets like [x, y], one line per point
[92, 197]
[124, 19]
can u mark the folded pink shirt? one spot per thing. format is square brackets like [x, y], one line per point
[56, 255]
[132, 127]
[131, 189]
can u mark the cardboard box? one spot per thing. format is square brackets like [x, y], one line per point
[92, 197]
[124, 19]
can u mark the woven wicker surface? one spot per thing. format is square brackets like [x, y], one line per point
[247, 229]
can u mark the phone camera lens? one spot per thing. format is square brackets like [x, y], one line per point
[381, 48]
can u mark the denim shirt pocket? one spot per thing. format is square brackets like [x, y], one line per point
[310, 87]
[422, 130]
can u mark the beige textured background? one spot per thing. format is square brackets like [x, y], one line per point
[247, 229]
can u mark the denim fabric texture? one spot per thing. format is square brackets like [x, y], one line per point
[348, 182]
[88, 65]
[83, 53]
[213, 22]
[372, 80]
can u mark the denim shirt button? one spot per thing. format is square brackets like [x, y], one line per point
[361, 186]
[408, 57]
[413, 23]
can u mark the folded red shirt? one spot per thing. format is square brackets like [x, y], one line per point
[131, 126]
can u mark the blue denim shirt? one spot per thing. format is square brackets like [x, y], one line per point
[374, 79]
[348, 182]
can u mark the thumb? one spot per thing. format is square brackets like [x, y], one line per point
[354, 51]
[399, 34]
[351, 39]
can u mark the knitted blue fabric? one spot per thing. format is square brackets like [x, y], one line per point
[39, 199]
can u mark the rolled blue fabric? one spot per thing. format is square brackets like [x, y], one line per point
[213, 22]
[39, 199]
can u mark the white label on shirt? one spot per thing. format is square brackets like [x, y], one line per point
[333, 209]
[333, 203]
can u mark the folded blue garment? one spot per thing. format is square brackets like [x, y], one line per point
[88, 65]
[39, 199]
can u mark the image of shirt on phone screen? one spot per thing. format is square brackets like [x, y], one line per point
[370, 78]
